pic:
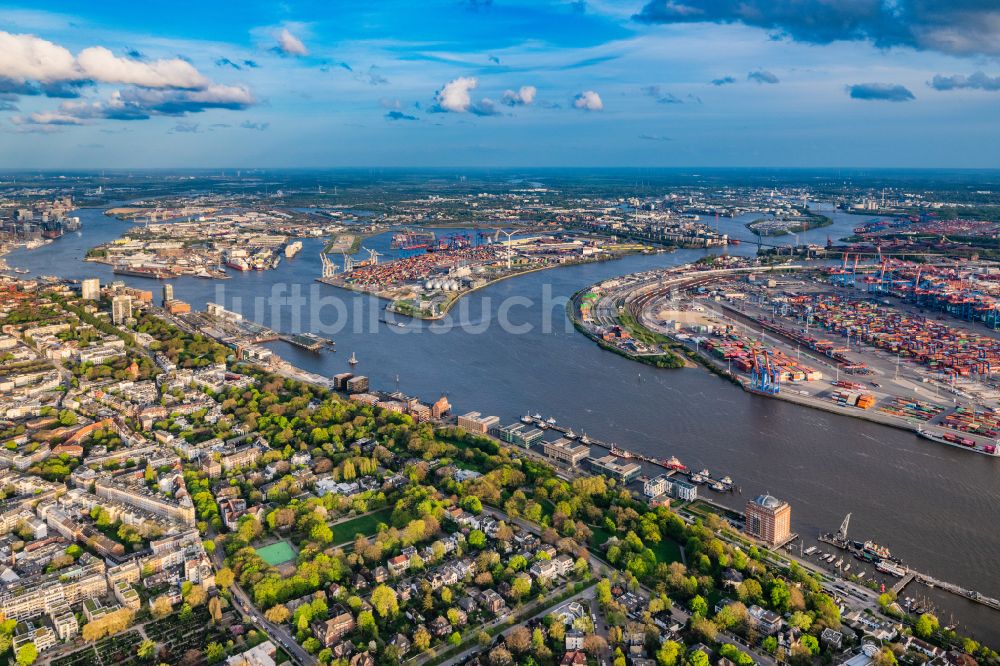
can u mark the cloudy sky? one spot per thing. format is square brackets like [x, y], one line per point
[908, 83]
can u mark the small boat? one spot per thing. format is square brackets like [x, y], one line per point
[697, 479]
[353, 360]
[705, 473]
[585, 439]
[537, 416]
[551, 421]
[569, 434]
[717, 487]
[727, 481]
[526, 419]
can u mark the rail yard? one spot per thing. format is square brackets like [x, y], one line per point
[908, 345]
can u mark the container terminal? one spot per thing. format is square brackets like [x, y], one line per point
[809, 336]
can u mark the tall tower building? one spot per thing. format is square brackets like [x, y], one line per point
[121, 308]
[168, 293]
[769, 519]
[90, 289]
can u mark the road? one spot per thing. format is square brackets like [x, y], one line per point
[278, 635]
[587, 594]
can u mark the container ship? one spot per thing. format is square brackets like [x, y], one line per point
[144, 271]
[966, 443]
[292, 249]
[412, 240]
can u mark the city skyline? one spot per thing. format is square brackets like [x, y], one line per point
[500, 83]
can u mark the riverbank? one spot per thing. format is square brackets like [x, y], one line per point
[813, 221]
[446, 306]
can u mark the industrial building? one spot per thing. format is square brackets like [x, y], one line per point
[611, 466]
[565, 451]
[769, 519]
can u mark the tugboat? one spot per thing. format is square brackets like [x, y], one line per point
[697, 479]
[353, 360]
[551, 421]
[569, 434]
[526, 419]
[705, 474]
[673, 463]
[717, 487]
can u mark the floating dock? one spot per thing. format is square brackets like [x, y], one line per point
[308, 341]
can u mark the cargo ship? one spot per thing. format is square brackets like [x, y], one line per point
[238, 263]
[966, 443]
[292, 249]
[412, 240]
[144, 271]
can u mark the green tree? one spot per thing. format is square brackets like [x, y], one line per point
[366, 623]
[215, 652]
[926, 625]
[699, 606]
[146, 650]
[384, 600]
[668, 653]
[698, 658]
[27, 654]
[477, 539]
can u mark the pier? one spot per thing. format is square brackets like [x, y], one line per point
[671, 464]
[907, 579]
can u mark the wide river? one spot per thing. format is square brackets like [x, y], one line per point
[932, 504]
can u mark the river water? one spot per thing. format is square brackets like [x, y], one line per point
[933, 505]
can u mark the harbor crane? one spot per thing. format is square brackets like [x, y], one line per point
[842, 532]
[373, 257]
[329, 268]
[348, 262]
[764, 377]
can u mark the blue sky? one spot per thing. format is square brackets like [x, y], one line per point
[500, 83]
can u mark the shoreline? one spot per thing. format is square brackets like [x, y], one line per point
[459, 296]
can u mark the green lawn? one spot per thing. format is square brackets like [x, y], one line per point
[667, 551]
[347, 530]
[277, 553]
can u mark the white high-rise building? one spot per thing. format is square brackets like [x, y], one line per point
[90, 289]
[121, 308]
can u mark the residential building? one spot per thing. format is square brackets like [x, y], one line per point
[90, 289]
[121, 308]
[330, 631]
[259, 655]
[655, 487]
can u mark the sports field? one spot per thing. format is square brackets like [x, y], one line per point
[277, 553]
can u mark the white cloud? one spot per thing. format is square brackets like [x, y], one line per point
[588, 100]
[289, 44]
[31, 58]
[523, 96]
[455, 96]
[100, 64]
[47, 118]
